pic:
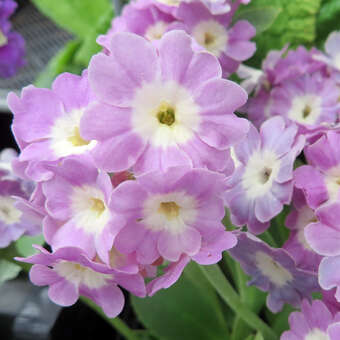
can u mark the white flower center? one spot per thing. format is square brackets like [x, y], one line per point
[164, 113]
[305, 217]
[211, 35]
[260, 172]
[3, 39]
[81, 275]
[332, 180]
[316, 334]
[9, 214]
[89, 209]
[169, 212]
[65, 137]
[305, 109]
[156, 31]
[272, 269]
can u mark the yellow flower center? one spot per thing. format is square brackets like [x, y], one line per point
[169, 209]
[307, 110]
[76, 139]
[3, 39]
[97, 205]
[166, 114]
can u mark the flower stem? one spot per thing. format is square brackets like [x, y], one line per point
[116, 323]
[216, 278]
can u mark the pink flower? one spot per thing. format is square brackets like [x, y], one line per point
[69, 273]
[230, 45]
[53, 117]
[314, 321]
[171, 214]
[263, 181]
[80, 209]
[166, 108]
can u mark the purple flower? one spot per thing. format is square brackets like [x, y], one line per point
[230, 45]
[263, 181]
[320, 179]
[81, 210]
[53, 117]
[69, 273]
[167, 108]
[308, 101]
[173, 213]
[142, 18]
[15, 220]
[12, 45]
[314, 322]
[273, 270]
[279, 68]
[297, 246]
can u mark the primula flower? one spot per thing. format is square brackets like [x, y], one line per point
[230, 45]
[142, 18]
[173, 213]
[297, 246]
[320, 180]
[53, 117]
[308, 101]
[273, 270]
[69, 273]
[80, 208]
[12, 45]
[166, 108]
[15, 221]
[314, 322]
[263, 181]
[279, 67]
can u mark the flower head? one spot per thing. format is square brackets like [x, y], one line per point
[12, 45]
[173, 213]
[273, 270]
[230, 45]
[308, 101]
[53, 117]
[263, 181]
[151, 113]
[297, 245]
[69, 273]
[314, 322]
[78, 202]
[320, 180]
[15, 220]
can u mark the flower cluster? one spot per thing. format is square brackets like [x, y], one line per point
[17, 216]
[302, 86]
[208, 22]
[131, 158]
[12, 45]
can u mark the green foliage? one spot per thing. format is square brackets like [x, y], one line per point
[24, 244]
[294, 25]
[8, 270]
[260, 17]
[76, 16]
[86, 19]
[188, 310]
[328, 20]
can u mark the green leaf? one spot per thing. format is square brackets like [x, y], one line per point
[76, 16]
[327, 20]
[89, 46]
[294, 25]
[8, 270]
[260, 17]
[24, 244]
[62, 62]
[188, 310]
